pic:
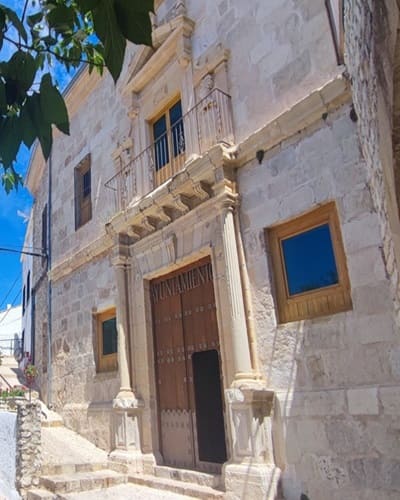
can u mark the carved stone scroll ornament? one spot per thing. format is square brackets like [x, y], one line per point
[206, 85]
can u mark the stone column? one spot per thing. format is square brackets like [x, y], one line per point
[240, 344]
[127, 407]
[121, 265]
[250, 471]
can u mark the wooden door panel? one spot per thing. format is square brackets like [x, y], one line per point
[171, 368]
[185, 323]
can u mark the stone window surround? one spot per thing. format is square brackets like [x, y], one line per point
[317, 302]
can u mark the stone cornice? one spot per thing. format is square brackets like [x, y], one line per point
[93, 250]
[304, 113]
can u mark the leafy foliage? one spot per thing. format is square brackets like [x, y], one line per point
[70, 32]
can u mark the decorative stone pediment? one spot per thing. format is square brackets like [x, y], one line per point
[171, 40]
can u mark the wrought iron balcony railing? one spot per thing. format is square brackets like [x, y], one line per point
[205, 125]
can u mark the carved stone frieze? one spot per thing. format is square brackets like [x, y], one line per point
[181, 203]
[206, 85]
[201, 190]
[149, 224]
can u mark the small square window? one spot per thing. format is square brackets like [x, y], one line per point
[309, 266]
[107, 341]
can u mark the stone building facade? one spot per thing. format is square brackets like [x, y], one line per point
[187, 216]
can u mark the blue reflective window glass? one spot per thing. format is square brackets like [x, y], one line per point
[160, 142]
[176, 121]
[309, 260]
[87, 183]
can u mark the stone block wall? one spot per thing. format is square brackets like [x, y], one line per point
[335, 377]
[280, 52]
[83, 396]
[370, 41]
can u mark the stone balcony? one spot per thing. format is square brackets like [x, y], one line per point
[202, 128]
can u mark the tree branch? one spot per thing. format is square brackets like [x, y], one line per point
[47, 50]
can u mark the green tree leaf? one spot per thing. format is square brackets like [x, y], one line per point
[52, 105]
[42, 126]
[134, 20]
[3, 98]
[15, 21]
[10, 139]
[107, 29]
[61, 18]
[27, 126]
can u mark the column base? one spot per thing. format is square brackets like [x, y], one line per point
[132, 459]
[249, 480]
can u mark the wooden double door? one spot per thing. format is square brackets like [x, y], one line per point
[188, 373]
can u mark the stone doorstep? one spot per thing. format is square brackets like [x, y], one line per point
[188, 476]
[39, 494]
[82, 481]
[176, 486]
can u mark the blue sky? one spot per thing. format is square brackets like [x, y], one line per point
[12, 224]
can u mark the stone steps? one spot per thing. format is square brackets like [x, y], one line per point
[180, 487]
[39, 494]
[60, 469]
[82, 481]
[188, 476]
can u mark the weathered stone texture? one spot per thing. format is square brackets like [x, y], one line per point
[28, 455]
[325, 370]
[371, 30]
[75, 380]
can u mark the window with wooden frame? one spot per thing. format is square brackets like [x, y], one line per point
[83, 193]
[107, 341]
[309, 265]
[169, 142]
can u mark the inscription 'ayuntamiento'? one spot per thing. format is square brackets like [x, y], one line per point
[182, 282]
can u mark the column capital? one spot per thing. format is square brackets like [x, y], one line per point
[121, 256]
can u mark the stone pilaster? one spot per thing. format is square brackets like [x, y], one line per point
[250, 472]
[127, 407]
[240, 344]
[121, 263]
